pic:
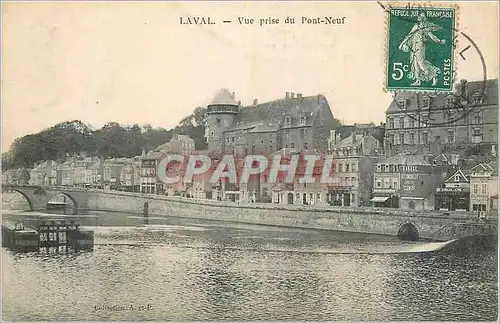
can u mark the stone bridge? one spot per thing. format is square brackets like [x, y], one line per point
[408, 225]
[38, 196]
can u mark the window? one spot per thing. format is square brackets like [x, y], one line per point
[218, 119]
[411, 138]
[292, 145]
[411, 121]
[483, 188]
[305, 145]
[232, 139]
[353, 167]
[425, 138]
[270, 148]
[403, 104]
[303, 120]
[476, 118]
[424, 120]
[341, 168]
[288, 121]
[426, 103]
[395, 185]
[287, 134]
[391, 123]
[402, 122]
[449, 115]
[401, 138]
[475, 188]
[302, 133]
[379, 168]
[386, 168]
[392, 139]
[450, 101]
[347, 168]
[477, 136]
[379, 184]
[476, 98]
[451, 136]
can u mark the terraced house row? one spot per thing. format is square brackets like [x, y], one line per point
[434, 152]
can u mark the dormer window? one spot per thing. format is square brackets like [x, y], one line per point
[457, 178]
[403, 104]
[288, 121]
[477, 98]
[426, 102]
[303, 120]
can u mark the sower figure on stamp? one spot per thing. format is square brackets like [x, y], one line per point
[421, 69]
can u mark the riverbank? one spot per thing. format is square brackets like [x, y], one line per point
[433, 225]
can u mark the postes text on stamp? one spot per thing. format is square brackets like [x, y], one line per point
[420, 48]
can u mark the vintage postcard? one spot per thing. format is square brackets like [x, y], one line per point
[249, 161]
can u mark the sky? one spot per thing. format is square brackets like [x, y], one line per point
[133, 62]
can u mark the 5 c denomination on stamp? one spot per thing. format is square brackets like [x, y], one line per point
[420, 49]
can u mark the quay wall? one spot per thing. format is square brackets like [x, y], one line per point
[431, 225]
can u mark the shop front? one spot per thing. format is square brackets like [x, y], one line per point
[385, 200]
[339, 196]
[452, 199]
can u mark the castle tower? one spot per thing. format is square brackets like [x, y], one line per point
[220, 116]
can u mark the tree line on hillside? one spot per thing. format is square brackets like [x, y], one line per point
[112, 140]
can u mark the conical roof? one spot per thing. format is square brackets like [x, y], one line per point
[223, 97]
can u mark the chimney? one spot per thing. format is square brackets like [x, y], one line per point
[463, 90]
[299, 96]
[287, 95]
[292, 95]
[239, 104]
[255, 101]
[233, 95]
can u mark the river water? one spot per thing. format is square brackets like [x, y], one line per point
[187, 270]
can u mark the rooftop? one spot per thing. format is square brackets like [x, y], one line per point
[223, 97]
[490, 93]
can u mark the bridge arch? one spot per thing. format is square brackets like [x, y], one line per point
[408, 231]
[26, 197]
[72, 198]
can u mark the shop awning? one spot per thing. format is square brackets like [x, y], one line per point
[380, 199]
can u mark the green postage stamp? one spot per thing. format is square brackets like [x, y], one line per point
[420, 47]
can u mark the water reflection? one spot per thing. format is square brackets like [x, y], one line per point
[190, 270]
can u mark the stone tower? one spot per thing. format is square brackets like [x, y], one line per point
[220, 116]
